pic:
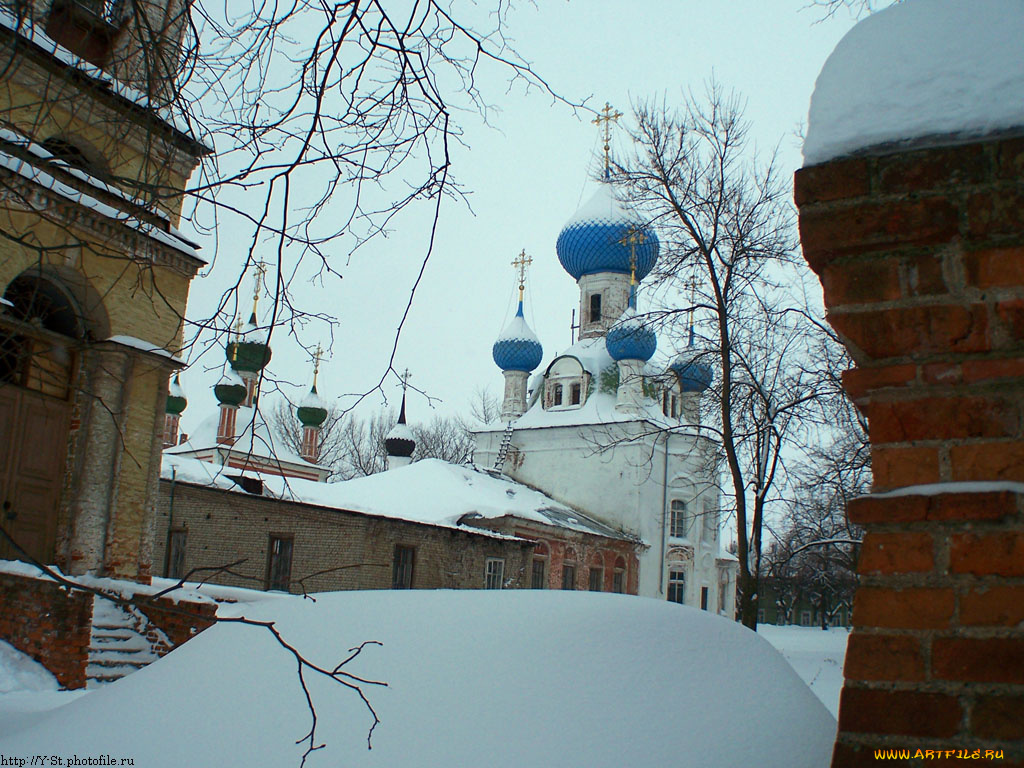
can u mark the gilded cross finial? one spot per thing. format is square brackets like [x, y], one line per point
[633, 238]
[605, 120]
[521, 262]
[317, 357]
[261, 271]
[238, 339]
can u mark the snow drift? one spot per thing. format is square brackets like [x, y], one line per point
[475, 678]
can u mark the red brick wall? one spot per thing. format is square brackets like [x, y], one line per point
[48, 623]
[178, 621]
[921, 257]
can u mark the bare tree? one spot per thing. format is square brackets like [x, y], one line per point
[353, 446]
[856, 7]
[729, 255]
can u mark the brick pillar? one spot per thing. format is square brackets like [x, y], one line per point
[921, 256]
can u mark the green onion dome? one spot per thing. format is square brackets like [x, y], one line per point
[176, 402]
[249, 351]
[312, 411]
[230, 390]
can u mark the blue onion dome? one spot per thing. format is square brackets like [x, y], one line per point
[312, 410]
[595, 239]
[249, 351]
[400, 441]
[176, 402]
[517, 347]
[694, 375]
[230, 390]
[630, 338]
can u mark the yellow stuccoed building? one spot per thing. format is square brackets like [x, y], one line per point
[94, 275]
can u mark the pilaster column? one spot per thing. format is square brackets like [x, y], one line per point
[921, 256]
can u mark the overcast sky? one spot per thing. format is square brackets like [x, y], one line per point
[526, 174]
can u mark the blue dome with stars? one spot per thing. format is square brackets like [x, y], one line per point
[694, 375]
[596, 239]
[517, 347]
[630, 338]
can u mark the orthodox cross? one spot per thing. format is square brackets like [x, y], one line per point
[521, 262]
[317, 357]
[607, 117]
[691, 283]
[633, 238]
[261, 271]
[405, 376]
[238, 339]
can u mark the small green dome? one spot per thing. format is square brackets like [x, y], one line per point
[176, 402]
[311, 411]
[230, 390]
[249, 351]
[250, 356]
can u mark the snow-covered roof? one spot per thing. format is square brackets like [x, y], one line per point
[428, 491]
[255, 437]
[146, 346]
[28, 171]
[28, 31]
[916, 69]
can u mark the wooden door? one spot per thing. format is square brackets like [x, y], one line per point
[33, 449]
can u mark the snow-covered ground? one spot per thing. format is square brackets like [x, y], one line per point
[817, 656]
[510, 678]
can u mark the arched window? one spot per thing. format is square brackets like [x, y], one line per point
[595, 307]
[556, 396]
[678, 522]
[595, 577]
[539, 566]
[30, 354]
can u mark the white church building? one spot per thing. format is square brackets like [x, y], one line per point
[602, 430]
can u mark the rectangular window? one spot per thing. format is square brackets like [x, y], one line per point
[279, 565]
[176, 555]
[805, 618]
[575, 394]
[538, 575]
[401, 572]
[596, 580]
[619, 581]
[595, 307]
[677, 527]
[703, 598]
[494, 574]
[676, 587]
[568, 577]
[556, 396]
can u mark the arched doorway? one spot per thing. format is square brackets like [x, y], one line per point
[40, 333]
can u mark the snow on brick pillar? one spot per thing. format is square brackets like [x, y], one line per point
[226, 424]
[921, 257]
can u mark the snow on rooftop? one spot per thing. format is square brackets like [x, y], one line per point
[474, 678]
[916, 69]
[28, 31]
[145, 346]
[428, 491]
[43, 179]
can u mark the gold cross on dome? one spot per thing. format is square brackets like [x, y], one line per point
[521, 262]
[606, 118]
[261, 271]
[317, 357]
[633, 238]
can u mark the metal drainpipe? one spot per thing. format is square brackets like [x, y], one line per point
[664, 503]
[170, 524]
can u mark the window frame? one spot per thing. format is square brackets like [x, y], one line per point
[494, 578]
[281, 539]
[595, 579]
[678, 528]
[569, 570]
[676, 586]
[397, 567]
[542, 582]
[595, 308]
